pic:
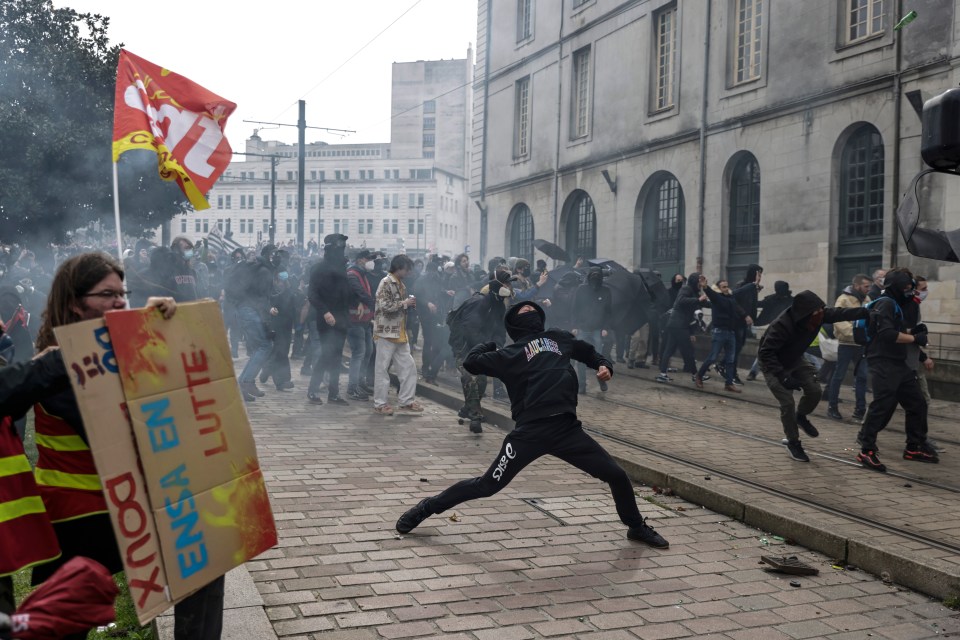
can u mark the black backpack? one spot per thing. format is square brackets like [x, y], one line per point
[237, 280]
[864, 329]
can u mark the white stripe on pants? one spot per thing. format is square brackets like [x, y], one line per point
[398, 354]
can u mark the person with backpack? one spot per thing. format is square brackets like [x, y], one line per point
[785, 370]
[478, 319]
[854, 295]
[360, 332]
[539, 377]
[888, 340]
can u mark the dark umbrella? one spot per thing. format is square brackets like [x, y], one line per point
[656, 289]
[630, 300]
[551, 250]
[608, 264]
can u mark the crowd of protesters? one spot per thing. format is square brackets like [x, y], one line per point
[360, 313]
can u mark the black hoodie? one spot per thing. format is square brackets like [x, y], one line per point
[685, 304]
[788, 337]
[536, 368]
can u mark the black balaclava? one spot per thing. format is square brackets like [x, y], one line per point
[334, 248]
[894, 285]
[673, 282]
[520, 325]
[781, 288]
[595, 277]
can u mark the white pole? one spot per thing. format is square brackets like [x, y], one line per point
[116, 213]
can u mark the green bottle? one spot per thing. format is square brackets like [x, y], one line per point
[907, 19]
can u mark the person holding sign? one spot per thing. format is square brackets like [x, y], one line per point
[86, 287]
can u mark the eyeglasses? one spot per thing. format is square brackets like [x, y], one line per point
[107, 294]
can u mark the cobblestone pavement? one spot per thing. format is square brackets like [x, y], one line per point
[546, 557]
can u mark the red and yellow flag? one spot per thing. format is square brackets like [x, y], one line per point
[174, 117]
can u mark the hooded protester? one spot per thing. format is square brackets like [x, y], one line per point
[560, 312]
[283, 315]
[230, 300]
[360, 333]
[331, 295]
[893, 379]
[677, 329]
[478, 319]
[430, 308]
[253, 310]
[593, 313]
[854, 295]
[776, 303]
[185, 287]
[538, 375]
[747, 292]
[461, 280]
[785, 369]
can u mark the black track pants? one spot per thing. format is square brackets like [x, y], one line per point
[560, 436]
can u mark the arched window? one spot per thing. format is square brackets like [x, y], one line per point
[662, 237]
[520, 232]
[581, 229]
[744, 237]
[860, 233]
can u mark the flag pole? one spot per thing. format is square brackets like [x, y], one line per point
[116, 213]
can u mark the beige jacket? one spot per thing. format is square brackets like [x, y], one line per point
[389, 314]
[843, 331]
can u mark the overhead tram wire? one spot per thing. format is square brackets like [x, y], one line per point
[354, 55]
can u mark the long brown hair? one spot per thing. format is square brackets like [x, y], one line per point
[75, 277]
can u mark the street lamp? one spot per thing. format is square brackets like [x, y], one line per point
[319, 209]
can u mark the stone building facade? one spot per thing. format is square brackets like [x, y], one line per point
[671, 133]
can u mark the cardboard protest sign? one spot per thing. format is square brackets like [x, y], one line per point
[94, 375]
[196, 447]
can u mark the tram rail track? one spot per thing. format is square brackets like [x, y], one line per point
[770, 405]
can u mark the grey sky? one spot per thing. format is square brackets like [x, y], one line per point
[266, 56]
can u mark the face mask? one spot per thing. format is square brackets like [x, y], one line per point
[369, 265]
[922, 295]
[525, 324]
[188, 254]
[283, 275]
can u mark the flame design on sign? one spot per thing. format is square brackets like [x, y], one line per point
[143, 350]
[247, 509]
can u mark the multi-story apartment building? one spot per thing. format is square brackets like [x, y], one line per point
[665, 133]
[409, 195]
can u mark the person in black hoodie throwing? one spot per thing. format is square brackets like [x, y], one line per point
[540, 379]
[785, 370]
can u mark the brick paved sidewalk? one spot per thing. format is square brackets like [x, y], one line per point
[506, 568]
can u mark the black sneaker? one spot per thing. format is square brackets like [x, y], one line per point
[356, 394]
[858, 414]
[314, 398]
[751, 377]
[804, 423]
[833, 412]
[920, 453]
[704, 377]
[412, 518]
[662, 377]
[737, 381]
[476, 426]
[338, 401]
[870, 460]
[367, 389]
[647, 535]
[797, 452]
[283, 386]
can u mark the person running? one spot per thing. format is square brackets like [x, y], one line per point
[785, 370]
[893, 379]
[542, 386]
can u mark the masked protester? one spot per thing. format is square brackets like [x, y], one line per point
[538, 375]
[253, 311]
[785, 369]
[677, 329]
[283, 315]
[331, 295]
[478, 319]
[184, 276]
[430, 308]
[360, 333]
[892, 378]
